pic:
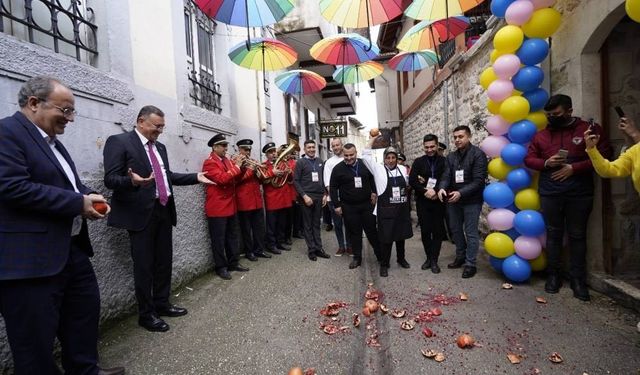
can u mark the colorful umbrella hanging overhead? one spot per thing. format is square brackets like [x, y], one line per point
[263, 54]
[429, 34]
[300, 82]
[246, 13]
[410, 61]
[353, 74]
[433, 10]
[344, 49]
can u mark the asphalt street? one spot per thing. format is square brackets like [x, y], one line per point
[268, 320]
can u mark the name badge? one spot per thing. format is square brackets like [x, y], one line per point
[431, 183]
[395, 192]
[459, 176]
[357, 181]
[315, 177]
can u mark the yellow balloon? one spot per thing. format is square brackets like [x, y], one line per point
[539, 119]
[495, 54]
[543, 23]
[499, 245]
[633, 9]
[493, 107]
[487, 77]
[499, 169]
[528, 199]
[514, 108]
[540, 263]
[508, 39]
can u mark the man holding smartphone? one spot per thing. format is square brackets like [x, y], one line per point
[565, 188]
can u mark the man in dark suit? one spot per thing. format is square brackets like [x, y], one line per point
[145, 207]
[47, 284]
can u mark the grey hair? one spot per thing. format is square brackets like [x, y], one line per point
[40, 87]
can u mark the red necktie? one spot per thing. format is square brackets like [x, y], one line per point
[163, 197]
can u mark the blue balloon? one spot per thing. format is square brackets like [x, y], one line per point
[498, 195]
[529, 223]
[537, 99]
[533, 51]
[513, 154]
[528, 78]
[496, 263]
[518, 179]
[513, 208]
[499, 7]
[516, 269]
[522, 131]
[512, 233]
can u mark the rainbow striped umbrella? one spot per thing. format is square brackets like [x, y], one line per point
[263, 54]
[360, 13]
[344, 49]
[439, 9]
[300, 82]
[428, 34]
[411, 61]
[357, 73]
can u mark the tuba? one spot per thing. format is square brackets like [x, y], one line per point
[281, 164]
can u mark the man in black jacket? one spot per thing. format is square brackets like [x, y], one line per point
[426, 179]
[353, 193]
[465, 181]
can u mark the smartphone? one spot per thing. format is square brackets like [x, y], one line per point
[619, 111]
[563, 153]
[592, 127]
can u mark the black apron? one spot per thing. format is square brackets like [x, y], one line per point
[394, 213]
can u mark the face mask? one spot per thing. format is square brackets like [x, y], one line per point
[557, 121]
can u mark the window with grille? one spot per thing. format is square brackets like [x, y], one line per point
[204, 90]
[65, 26]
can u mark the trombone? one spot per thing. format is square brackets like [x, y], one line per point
[282, 165]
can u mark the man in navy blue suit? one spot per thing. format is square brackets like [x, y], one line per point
[47, 284]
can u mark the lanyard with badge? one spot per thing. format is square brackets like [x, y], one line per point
[397, 195]
[460, 170]
[357, 180]
[432, 181]
[315, 177]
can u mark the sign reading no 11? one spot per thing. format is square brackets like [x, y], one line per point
[333, 129]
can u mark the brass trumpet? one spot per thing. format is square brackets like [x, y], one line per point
[282, 165]
[259, 168]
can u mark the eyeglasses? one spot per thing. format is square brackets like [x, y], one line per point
[66, 112]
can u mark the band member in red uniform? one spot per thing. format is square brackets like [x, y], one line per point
[291, 162]
[249, 203]
[277, 201]
[220, 207]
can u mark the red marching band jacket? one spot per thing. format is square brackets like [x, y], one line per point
[276, 198]
[221, 197]
[248, 194]
[292, 188]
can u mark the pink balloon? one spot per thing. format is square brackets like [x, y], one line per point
[528, 247]
[496, 125]
[519, 12]
[543, 239]
[539, 4]
[500, 219]
[500, 89]
[506, 66]
[493, 145]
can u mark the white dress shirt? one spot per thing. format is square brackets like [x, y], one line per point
[145, 142]
[328, 168]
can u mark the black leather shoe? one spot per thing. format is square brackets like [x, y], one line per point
[224, 274]
[251, 257]
[288, 242]
[384, 271]
[426, 265]
[322, 254]
[328, 227]
[299, 236]
[282, 246]
[111, 371]
[153, 324]
[172, 311]
[580, 290]
[435, 268]
[468, 272]
[262, 254]
[312, 256]
[238, 268]
[404, 264]
[274, 251]
[355, 264]
[553, 283]
[457, 263]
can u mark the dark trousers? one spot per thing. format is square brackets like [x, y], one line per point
[385, 252]
[224, 241]
[357, 217]
[431, 219]
[463, 221]
[571, 213]
[327, 218]
[276, 223]
[66, 305]
[311, 225]
[252, 230]
[152, 253]
[297, 219]
[343, 238]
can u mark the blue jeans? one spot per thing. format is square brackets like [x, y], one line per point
[463, 220]
[338, 227]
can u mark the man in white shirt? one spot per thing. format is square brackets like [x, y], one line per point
[343, 242]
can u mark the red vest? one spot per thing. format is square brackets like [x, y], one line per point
[248, 194]
[276, 198]
[221, 197]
